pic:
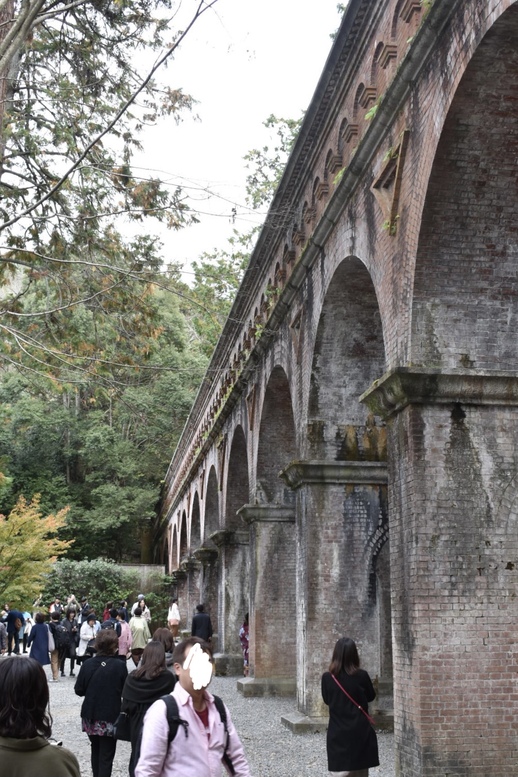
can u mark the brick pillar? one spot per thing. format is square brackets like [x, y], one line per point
[341, 526]
[208, 584]
[191, 589]
[453, 463]
[233, 588]
[272, 608]
[183, 599]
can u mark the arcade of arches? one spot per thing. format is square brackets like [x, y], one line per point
[350, 465]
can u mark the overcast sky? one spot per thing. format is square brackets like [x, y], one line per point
[243, 60]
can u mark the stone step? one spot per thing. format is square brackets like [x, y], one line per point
[271, 686]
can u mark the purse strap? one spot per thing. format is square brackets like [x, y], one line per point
[371, 721]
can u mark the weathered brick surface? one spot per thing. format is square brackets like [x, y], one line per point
[390, 247]
[273, 612]
[455, 586]
[340, 531]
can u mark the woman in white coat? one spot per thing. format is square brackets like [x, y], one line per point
[173, 618]
[88, 633]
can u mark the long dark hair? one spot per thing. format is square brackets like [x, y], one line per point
[24, 696]
[345, 657]
[165, 638]
[152, 662]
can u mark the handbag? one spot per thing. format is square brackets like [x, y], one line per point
[52, 644]
[121, 727]
[90, 648]
[371, 721]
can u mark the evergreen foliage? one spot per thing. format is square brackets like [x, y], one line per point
[99, 580]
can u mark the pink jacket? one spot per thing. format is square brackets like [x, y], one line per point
[125, 639]
[198, 755]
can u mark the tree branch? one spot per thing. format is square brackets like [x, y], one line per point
[202, 8]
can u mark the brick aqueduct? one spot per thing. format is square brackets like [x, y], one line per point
[365, 387]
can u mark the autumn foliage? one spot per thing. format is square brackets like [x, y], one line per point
[29, 546]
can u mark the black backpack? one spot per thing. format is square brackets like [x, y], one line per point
[174, 720]
[112, 625]
[61, 635]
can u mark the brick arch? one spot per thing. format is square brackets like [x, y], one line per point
[277, 440]
[348, 355]
[183, 539]
[314, 192]
[195, 522]
[358, 96]
[465, 301]
[341, 135]
[375, 66]
[238, 488]
[175, 547]
[327, 165]
[211, 523]
[172, 542]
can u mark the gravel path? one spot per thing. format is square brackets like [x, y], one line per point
[272, 750]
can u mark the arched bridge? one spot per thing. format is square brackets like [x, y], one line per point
[366, 386]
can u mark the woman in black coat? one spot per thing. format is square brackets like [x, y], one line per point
[352, 747]
[101, 680]
[70, 623]
[143, 686]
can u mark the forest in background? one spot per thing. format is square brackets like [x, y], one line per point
[103, 347]
[101, 443]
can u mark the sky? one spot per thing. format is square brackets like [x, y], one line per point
[242, 61]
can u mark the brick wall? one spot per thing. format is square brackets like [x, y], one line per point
[465, 305]
[354, 299]
[454, 552]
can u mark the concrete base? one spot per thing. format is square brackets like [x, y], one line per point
[228, 665]
[384, 719]
[382, 709]
[302, 724]
[266, 686]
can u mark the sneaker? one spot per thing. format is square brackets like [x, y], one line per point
[62, 674]
[72, 674]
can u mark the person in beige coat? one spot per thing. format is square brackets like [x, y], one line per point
[140, 634]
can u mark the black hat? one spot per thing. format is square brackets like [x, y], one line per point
[83, 599]
[91, 617]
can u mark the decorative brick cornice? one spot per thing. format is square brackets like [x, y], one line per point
[299, 473]
[321, 190]
[205, 555]
[388, 52]
[405, 386]
[350, 132]
[409, 8]
[189, 564]
[226, 537]
[367, 96]
[222, 537]
[267, 513]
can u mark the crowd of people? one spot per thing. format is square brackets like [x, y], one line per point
[151, 690]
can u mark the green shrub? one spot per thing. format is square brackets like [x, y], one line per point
[99, 580]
